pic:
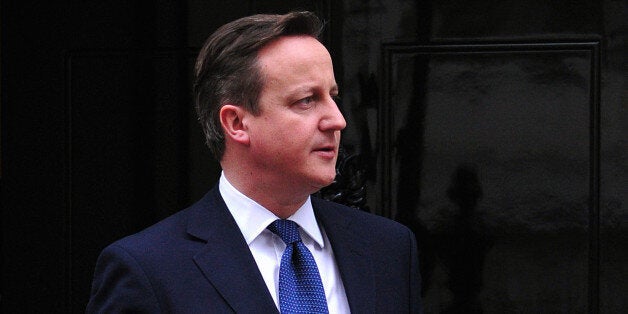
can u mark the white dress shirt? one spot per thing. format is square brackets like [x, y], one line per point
[267, 248]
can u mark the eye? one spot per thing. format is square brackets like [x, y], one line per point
[306, 102]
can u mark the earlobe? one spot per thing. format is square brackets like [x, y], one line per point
[231, 119]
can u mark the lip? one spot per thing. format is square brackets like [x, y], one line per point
[327, 151]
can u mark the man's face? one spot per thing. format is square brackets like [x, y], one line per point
[295, 138]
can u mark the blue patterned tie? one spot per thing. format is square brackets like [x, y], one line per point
[300, 286]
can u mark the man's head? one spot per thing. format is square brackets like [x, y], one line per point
[265, 94]
[227, 69]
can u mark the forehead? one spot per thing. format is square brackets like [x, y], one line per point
[293, 53]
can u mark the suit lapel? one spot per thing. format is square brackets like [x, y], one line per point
[351, 253]
[226, 260]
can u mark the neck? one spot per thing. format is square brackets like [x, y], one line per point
[277, 197]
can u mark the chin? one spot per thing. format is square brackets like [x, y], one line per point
[327, 180]
[320, 177]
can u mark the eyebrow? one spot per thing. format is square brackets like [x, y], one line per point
[311, 88]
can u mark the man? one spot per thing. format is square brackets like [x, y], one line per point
[264, 92]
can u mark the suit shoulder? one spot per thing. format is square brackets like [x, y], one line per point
[359, 218]
[166, 237]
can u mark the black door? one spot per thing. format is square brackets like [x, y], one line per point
[496, 130]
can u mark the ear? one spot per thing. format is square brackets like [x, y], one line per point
[231, 120]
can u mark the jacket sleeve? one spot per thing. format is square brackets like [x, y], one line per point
[120, 285]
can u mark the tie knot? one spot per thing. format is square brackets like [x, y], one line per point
[287, 230]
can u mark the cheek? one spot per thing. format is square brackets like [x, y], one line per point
[284, 138]
[276, 144]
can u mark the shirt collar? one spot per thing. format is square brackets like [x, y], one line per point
[252, 218]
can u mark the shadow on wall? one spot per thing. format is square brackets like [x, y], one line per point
[459, 245]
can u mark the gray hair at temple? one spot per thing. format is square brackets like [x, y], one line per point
[226, 70]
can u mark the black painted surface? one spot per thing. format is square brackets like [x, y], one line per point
[498, 138]
[503, 170]
[495, 129]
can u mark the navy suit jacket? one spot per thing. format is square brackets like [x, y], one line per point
[197, 261]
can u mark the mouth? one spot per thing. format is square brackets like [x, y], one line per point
[327, 151]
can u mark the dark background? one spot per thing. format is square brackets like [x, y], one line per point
[496, 130]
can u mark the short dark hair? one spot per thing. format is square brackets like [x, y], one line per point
[226, 69]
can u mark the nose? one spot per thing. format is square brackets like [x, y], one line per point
[332, 118]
